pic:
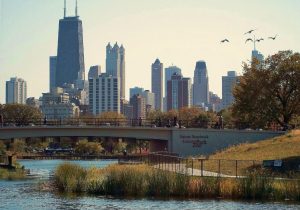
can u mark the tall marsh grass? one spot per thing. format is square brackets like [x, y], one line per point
[12, 174]
[145, 181]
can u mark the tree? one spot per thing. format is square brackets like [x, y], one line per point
[141, 145]
[20, 114]
[120, 146]
[19, 146]
[84, 147]
[269, 91]
[2, 148]
[113, 118]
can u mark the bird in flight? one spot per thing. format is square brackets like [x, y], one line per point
[261, 39]
[249, 39]
[224, 40]
[273, 37]
[249, 32]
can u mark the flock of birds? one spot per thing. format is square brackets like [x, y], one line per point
[250, 39]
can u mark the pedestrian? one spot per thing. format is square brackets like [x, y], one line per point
[175, 121]
[221, 122]
[140, 121]
[159, 122]
[1, 121]
[45, 120]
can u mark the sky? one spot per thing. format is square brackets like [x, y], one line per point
[178, 32]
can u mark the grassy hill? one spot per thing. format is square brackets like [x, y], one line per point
[281, 147]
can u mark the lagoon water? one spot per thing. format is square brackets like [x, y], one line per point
[15, 195]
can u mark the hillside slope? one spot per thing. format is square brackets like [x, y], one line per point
[280, 147]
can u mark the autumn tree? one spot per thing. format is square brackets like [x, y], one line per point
[269, 91]
[113, 118]
[20, 114]
[84, 147]
[19, 146]
[2, 148]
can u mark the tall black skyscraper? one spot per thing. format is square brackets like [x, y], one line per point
[70, 55]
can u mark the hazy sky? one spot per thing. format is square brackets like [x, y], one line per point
[178, 32]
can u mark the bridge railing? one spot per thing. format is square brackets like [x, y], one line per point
[105, 122]
[119, 122]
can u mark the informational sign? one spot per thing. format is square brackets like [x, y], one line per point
[195, 140]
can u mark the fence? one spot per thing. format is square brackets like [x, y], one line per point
[197, 166]
[101, 122]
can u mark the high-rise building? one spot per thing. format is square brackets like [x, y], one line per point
[126, 109]
[178, 92]
[135, 91]
[169, 71]
[215, 102]
[122, 71]
[157, 83]
[33, 102]
[115, 64]
[60, 111]
[149, 99]
[104, 94]
[16, 91]
[70, 55]
[228, 82]
[257, 55]
[139, 106]
[200, 86]
[52, 66]
[94, 71]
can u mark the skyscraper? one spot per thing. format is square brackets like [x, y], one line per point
[200, 86]
[122, 71]
[115, 64]
[169, 71]
[139, 106]
[157, 83]
[16, 91]
[228, 82]
[52, 66]
[104, 94]
[70, 55]
[149, 99]
[94, 72]
[168, 74]
[135, 91]
[257, 55]
[179, 92]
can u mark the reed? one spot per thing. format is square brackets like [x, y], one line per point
[12, 174]
[70, 178]
[145, 181]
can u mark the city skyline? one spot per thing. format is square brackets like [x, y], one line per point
[25, 52]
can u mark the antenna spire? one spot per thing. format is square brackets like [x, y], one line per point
[254, 41]
[76, 9]
[65, 9]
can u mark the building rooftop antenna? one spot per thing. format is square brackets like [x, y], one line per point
[76, 9]
[65, 9]
[254, 40]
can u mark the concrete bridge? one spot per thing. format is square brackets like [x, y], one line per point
[183, 141]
